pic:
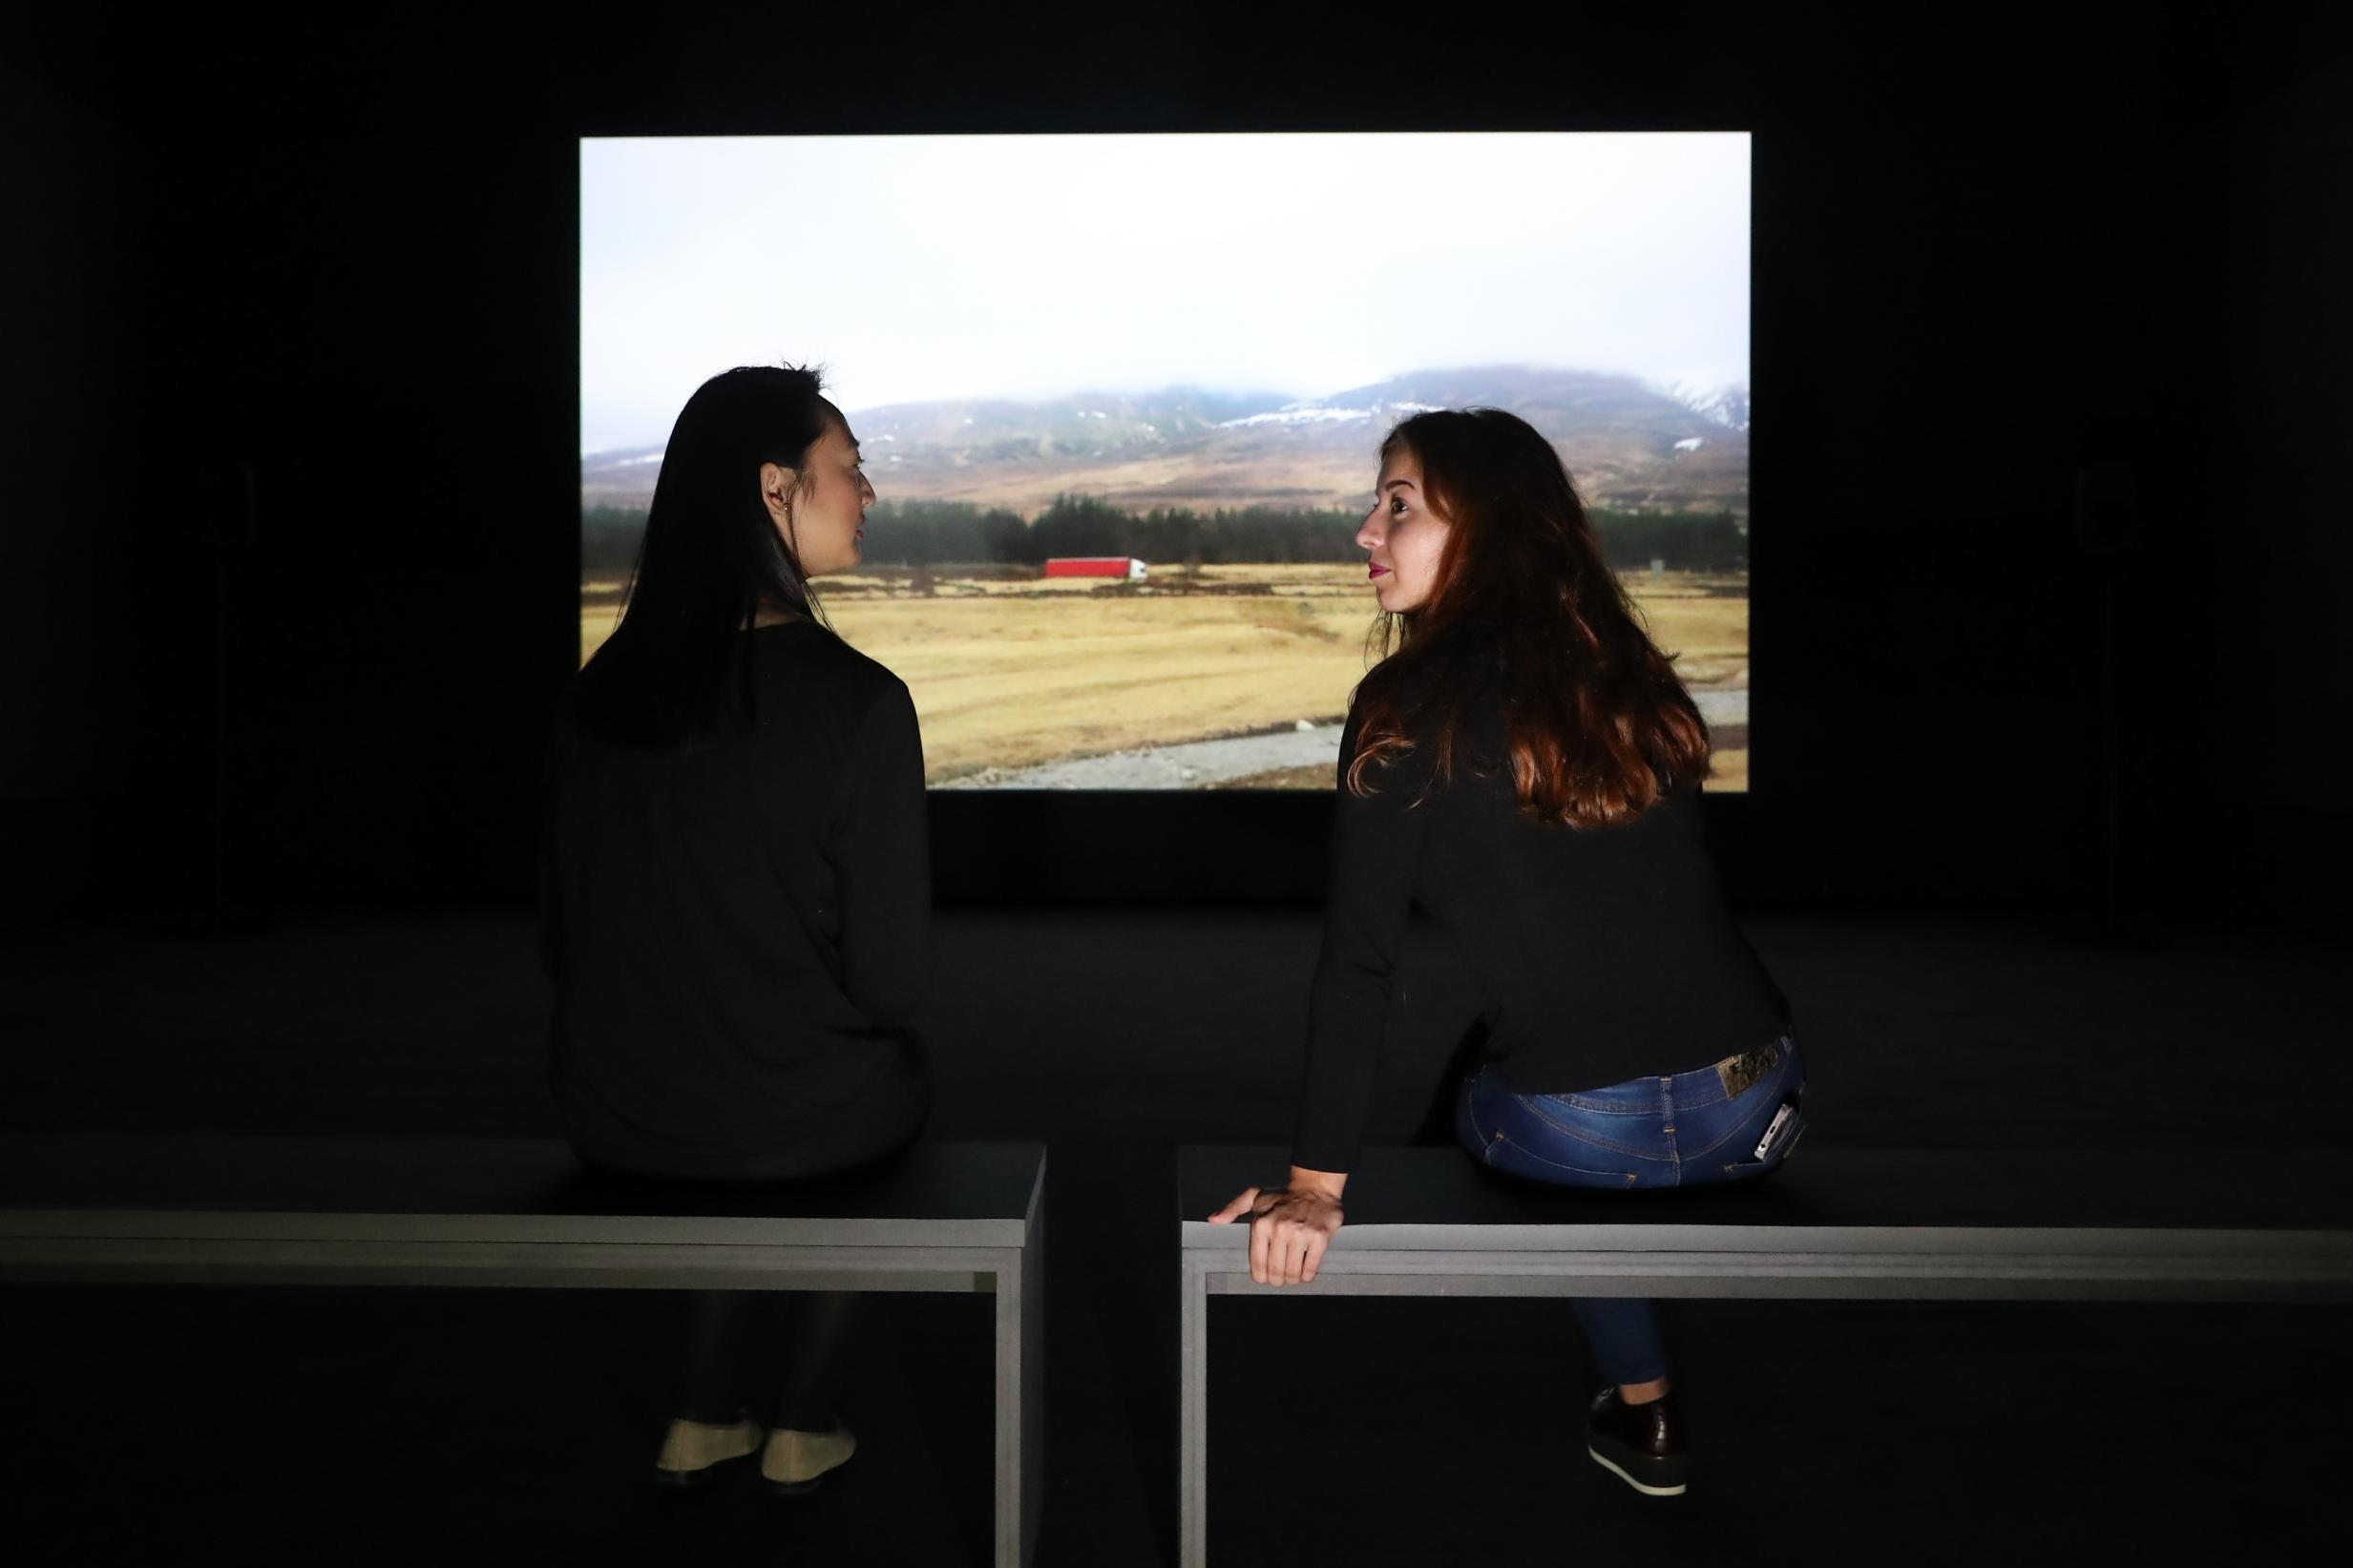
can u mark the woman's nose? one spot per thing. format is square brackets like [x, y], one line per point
[1368, 533]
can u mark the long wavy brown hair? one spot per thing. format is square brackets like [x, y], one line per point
[1524, 607]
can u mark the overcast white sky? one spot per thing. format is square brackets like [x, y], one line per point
[918, 267]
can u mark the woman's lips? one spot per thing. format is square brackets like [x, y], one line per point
[1376, 571]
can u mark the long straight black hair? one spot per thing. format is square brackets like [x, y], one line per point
[677, 666]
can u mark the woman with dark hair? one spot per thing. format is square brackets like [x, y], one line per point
[735, 893]
[1525, 765]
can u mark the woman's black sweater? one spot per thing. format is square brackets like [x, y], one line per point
[738, 931]
[1603, 955]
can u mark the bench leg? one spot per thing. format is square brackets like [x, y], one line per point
[1193, 1417]
[1021, 1402]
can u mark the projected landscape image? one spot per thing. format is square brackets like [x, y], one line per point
[1112, 550]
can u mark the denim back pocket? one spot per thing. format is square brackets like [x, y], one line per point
[1747, 1161]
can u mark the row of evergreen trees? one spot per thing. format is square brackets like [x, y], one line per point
[934, 534]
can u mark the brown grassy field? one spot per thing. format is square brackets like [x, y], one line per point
[1009, 672]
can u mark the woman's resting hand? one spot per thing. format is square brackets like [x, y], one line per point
[1290, 1228]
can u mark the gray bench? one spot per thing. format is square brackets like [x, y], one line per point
[1895, 1225]
[475, 1212]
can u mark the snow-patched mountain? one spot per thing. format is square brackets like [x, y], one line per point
[1727, 405]
[1627, 443]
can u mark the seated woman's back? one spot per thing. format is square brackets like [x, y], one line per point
[739, 925]
[735, 887]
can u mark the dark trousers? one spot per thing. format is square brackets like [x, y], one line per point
[724, 1327]
[727, 1332]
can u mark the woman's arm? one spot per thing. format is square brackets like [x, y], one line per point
[882, 858]
[551, 885]
[1376, 848]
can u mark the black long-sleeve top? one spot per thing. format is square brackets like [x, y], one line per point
[1603, 955]
[738, 931]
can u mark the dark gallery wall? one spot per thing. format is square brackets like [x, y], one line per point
[2048, 341]
[336, 315]
[77, 709]
[2254, 618]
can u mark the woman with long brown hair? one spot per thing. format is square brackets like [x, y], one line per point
[1525, 764]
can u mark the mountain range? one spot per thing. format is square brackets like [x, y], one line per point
[1628, 443]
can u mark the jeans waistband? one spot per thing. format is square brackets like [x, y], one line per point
[1722, 1081]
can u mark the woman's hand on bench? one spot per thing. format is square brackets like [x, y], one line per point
[1290, 1229]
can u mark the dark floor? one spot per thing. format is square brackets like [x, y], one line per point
[299, 1425]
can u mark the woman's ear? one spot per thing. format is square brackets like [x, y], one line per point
[776, 484]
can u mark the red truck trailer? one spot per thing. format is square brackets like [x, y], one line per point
[1095, 566]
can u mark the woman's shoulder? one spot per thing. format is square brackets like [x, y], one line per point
[1398, 690]
[815, 652]
[817, 668]
[1424, 703]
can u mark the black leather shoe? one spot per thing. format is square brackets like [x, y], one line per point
[1641, 1444]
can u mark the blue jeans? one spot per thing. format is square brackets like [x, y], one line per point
[1676, 1131]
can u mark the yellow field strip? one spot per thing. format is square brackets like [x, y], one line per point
[1011, 682]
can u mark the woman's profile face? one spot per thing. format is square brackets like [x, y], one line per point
[1403, 535]
[821, 513]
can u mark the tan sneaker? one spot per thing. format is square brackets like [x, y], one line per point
[795, 1461]
[693, 1451]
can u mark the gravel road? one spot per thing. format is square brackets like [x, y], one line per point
[1196, 764]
